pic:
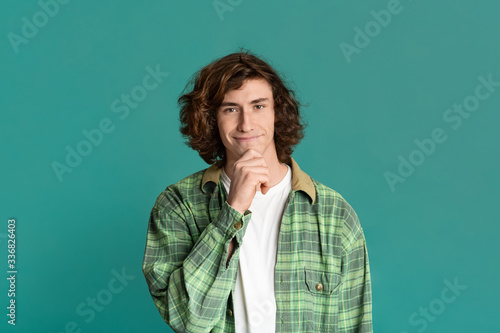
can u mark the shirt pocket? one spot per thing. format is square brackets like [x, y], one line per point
[322, 289]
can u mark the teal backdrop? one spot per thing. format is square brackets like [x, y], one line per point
[402, 104]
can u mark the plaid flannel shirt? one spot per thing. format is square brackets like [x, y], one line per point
[322, 276]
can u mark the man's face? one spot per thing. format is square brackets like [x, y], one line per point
[246, 119]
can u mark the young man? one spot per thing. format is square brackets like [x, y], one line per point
[253, 244]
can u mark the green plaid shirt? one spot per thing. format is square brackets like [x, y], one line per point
[322, 276]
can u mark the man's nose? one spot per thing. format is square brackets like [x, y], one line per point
[245, 123]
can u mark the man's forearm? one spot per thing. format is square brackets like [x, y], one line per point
[191, 290]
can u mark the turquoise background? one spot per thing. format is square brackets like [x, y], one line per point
[440, 224]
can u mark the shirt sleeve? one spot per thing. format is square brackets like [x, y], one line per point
[189, 281]
[356, 296]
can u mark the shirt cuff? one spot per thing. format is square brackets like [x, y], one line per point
[231, 222]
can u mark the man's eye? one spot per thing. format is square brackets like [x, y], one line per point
[230, 110]
[259, 107]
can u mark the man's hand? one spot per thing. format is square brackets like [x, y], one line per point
[248, 173]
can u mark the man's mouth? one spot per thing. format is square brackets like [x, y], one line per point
[246, 138]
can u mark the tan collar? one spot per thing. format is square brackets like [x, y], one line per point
[300, 180]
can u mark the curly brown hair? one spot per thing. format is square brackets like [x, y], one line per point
[209, 86]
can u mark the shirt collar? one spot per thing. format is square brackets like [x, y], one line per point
[300, 180]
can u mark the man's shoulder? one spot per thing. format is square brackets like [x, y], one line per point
[186, 190]
[326, 195]
[331, 199]
[325, 191]
[190, 182]
[335, 208]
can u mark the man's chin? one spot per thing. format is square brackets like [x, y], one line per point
[236, 155]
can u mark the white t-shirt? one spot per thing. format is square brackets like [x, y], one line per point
[254, 302]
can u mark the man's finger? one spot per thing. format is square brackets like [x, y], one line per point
[254, 162]
[264, 188]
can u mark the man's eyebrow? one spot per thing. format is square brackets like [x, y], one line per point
[255, 101]
[259, 100]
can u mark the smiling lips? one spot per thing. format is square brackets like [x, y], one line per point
[246, 139]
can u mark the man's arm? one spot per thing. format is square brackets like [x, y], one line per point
[190, 283]
[355, 314]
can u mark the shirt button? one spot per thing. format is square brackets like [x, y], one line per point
[237, 225]
[319, 287]
[230, 312]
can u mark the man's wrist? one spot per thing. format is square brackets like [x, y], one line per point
[236, 208]
[230, 221]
